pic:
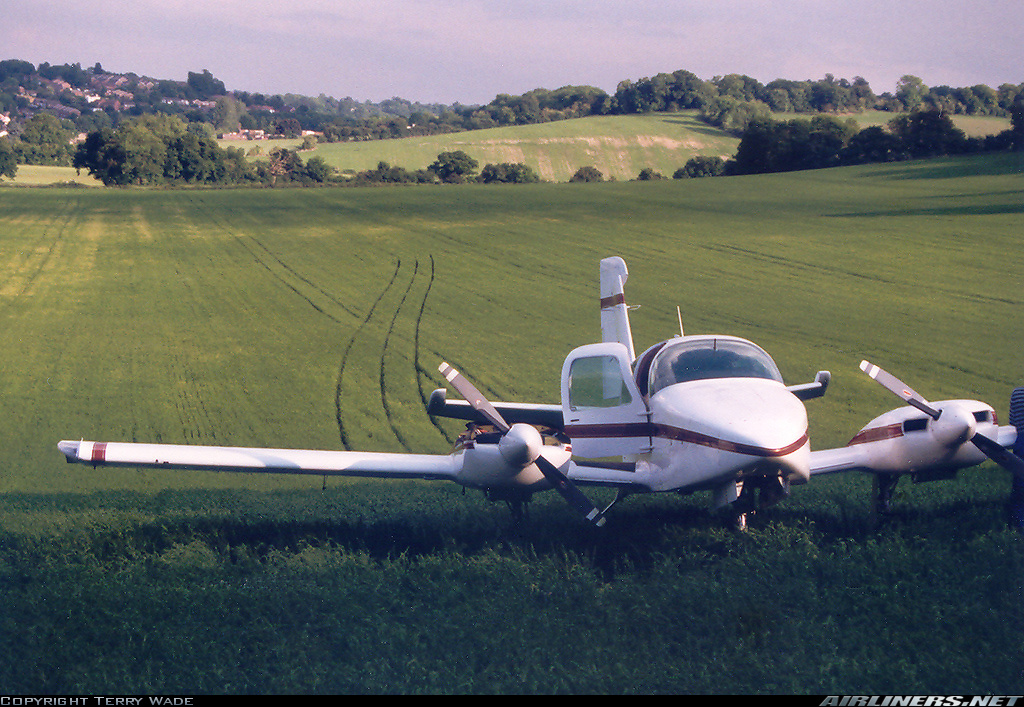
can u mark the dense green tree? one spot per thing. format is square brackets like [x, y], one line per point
[159, 149]
[454, 167]
[227, 114]
[648, 174]
[318, 170]
[96, 155]
[770, 146]
[1016, 131]
[144, 154]
[1008, 94]
[285, 165]
[386, 174]
[45, 140]
[507, 173]
[205, 85]
[928, 133]
[74, 74]
[289, 127]
[872, 144]
[740, 87]
[911, 92]
[630, 99]
[587, 174]
[732, 114]
[8, 159]
[701, 166]
[16, 69]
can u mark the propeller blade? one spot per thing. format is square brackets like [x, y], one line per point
[560, 481]
[899, 388]
[570, 492]
[473, 396]
[994, 451]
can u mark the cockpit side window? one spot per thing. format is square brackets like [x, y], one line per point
[710, 358]
[596, 382]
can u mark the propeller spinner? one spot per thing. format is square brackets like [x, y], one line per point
[553, 474]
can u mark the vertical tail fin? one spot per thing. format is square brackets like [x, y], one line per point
[614, 314]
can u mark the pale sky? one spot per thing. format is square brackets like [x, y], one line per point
[468, 51]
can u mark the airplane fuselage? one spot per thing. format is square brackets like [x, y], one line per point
[692, 413]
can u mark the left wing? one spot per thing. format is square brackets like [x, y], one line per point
[905, 441]
[291, 461]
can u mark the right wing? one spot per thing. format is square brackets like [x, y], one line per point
[254, 459]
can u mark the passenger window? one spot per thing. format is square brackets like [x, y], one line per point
[597, 382]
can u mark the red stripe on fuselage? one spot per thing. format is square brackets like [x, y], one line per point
[99, 452]
[645, 429]
[877, 433]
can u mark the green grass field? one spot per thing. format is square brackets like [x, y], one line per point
[38, 176]
[316, 318]
[619, 146]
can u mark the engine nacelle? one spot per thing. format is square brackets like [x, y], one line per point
[906, 440]
[494, 462]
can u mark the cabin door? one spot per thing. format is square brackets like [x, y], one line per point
[604, 413]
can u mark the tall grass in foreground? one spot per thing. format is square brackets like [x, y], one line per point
[239, 593]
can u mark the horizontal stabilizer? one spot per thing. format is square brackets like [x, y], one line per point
[528, 413]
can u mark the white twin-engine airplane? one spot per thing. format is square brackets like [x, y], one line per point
[693, 413]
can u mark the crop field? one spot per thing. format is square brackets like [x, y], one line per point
[316, 318]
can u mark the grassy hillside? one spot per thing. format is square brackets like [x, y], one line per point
[619, 146]
[316, 318]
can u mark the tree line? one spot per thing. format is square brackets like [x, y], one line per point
[730, 102]
[165, 150]
[162, 149]
[823, 141]
[171, 145]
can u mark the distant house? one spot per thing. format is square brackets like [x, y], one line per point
[245, 135]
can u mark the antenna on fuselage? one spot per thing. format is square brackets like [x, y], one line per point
[679, 313]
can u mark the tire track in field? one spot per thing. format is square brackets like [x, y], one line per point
[339, 382]
[292, 271]
[196, 422]
[386, 362]
[20, 280]
[422, 373]
[383, 362]
[307, 289]
[267, 259]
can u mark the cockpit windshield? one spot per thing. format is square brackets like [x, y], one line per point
[700, 359]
